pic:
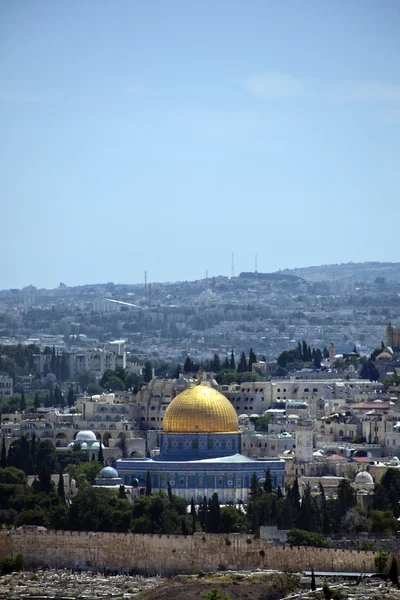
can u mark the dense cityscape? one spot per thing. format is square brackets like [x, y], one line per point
[119, 407]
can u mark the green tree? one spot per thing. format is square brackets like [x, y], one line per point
[268, 484]
[252, 360]
[60, 487]
[242, 366]
[3, 458]
[214, 594]
[214, 522]
[325, 522]
[71, 397]
[299, 537]
[148, 484]
[254, 487]
[215, 365]
[308, 517]
[121, 493]
[387, 492]
[232, 364]
[22, 404]
[147, 372]
[100, 456]
[346, 499]
[45, 477]
[313, 584]
[393, 572]
[36, 402]
[233, 520]
[381, 560]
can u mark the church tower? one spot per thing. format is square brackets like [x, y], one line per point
[304, 441]
[389, 335]
[331, 353]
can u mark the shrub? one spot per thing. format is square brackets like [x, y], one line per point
[367, 546]
[7, 565]
[299, 537]
[381, 560]
[19, 562]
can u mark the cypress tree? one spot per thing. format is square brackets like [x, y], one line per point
[22, 403]
[393, 572]
[169, 492]
[100, 456]
[53, 361]
[254, 487]
[45, 477]
[279, 494]
[225, 364]
[268, 487]
[242, 366]
[3, 459]
[148, 484]
[184, 527]
[33, 448]
[252, 359]
[122, 493]
[326, 526]
[193, 513]
[305, 518]
[313, 584]
[232, 361]
[215, 515]
[71, 397]
[36, 402]
[60, 487]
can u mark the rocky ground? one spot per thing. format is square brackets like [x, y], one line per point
[67, 585]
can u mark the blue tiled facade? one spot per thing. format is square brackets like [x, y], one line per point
[197, 465]
[194, 446]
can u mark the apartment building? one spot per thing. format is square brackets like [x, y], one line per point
[6, 386]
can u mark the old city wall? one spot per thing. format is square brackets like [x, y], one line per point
[164, 554]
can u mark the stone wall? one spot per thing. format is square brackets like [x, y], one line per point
[164, 554]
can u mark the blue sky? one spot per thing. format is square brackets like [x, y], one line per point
[163, 136]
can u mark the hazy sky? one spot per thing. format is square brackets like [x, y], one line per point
[166, 135]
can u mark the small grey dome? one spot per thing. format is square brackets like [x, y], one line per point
[108, 473]
[364, 478]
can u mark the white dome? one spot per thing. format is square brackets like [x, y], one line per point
[71, 444]
[85, 436]
[84, 446]
[364, 478]
[96, 446]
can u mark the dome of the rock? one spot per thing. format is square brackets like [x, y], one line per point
[200, 409]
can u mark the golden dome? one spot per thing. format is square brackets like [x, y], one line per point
[200, 409]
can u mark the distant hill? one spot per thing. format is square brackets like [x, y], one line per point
[357, 272]
[279, 276]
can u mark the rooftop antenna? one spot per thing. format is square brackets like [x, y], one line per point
[232, 266]
[150, 295]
